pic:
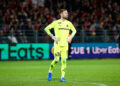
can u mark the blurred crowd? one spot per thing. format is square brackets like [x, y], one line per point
[23, 17]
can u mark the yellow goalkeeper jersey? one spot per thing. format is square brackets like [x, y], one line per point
[61, 29]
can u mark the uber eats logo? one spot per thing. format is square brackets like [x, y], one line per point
[24, 51]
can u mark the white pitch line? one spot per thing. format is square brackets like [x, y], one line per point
[99, 84]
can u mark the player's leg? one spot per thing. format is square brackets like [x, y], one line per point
[54, 62]
[64, 55]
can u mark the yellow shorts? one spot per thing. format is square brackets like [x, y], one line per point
[60, 51]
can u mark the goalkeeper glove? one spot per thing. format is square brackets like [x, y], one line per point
[54, 38]
[69, 38]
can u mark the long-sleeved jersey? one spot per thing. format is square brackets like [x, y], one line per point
[61, 29]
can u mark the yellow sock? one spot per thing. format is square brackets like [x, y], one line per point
[63, 67]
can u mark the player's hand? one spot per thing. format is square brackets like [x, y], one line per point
[69, 39]
[55, 38]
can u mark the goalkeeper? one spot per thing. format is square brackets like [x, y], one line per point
[61, 28]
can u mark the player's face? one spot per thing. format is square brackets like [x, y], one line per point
[65, 14]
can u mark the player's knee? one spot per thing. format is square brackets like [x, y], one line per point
[56, 61]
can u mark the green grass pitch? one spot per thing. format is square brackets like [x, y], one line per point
[87, 72]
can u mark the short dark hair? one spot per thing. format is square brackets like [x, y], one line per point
[62, 10]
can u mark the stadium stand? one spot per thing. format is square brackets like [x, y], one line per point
[23, 20]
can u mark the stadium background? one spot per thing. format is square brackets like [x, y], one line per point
[22, 37]
[97, 23]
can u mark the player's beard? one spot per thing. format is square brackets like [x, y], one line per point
[65, 17]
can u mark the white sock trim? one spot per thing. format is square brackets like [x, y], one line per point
[50, 71]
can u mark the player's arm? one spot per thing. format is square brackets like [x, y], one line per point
[47, 30]
[73, 32]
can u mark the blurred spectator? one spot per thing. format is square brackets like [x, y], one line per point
[42, 12]
[11, 36]
[90, 33]
[1, 36]
[100, 32]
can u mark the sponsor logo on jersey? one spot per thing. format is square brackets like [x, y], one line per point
[63, 29]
